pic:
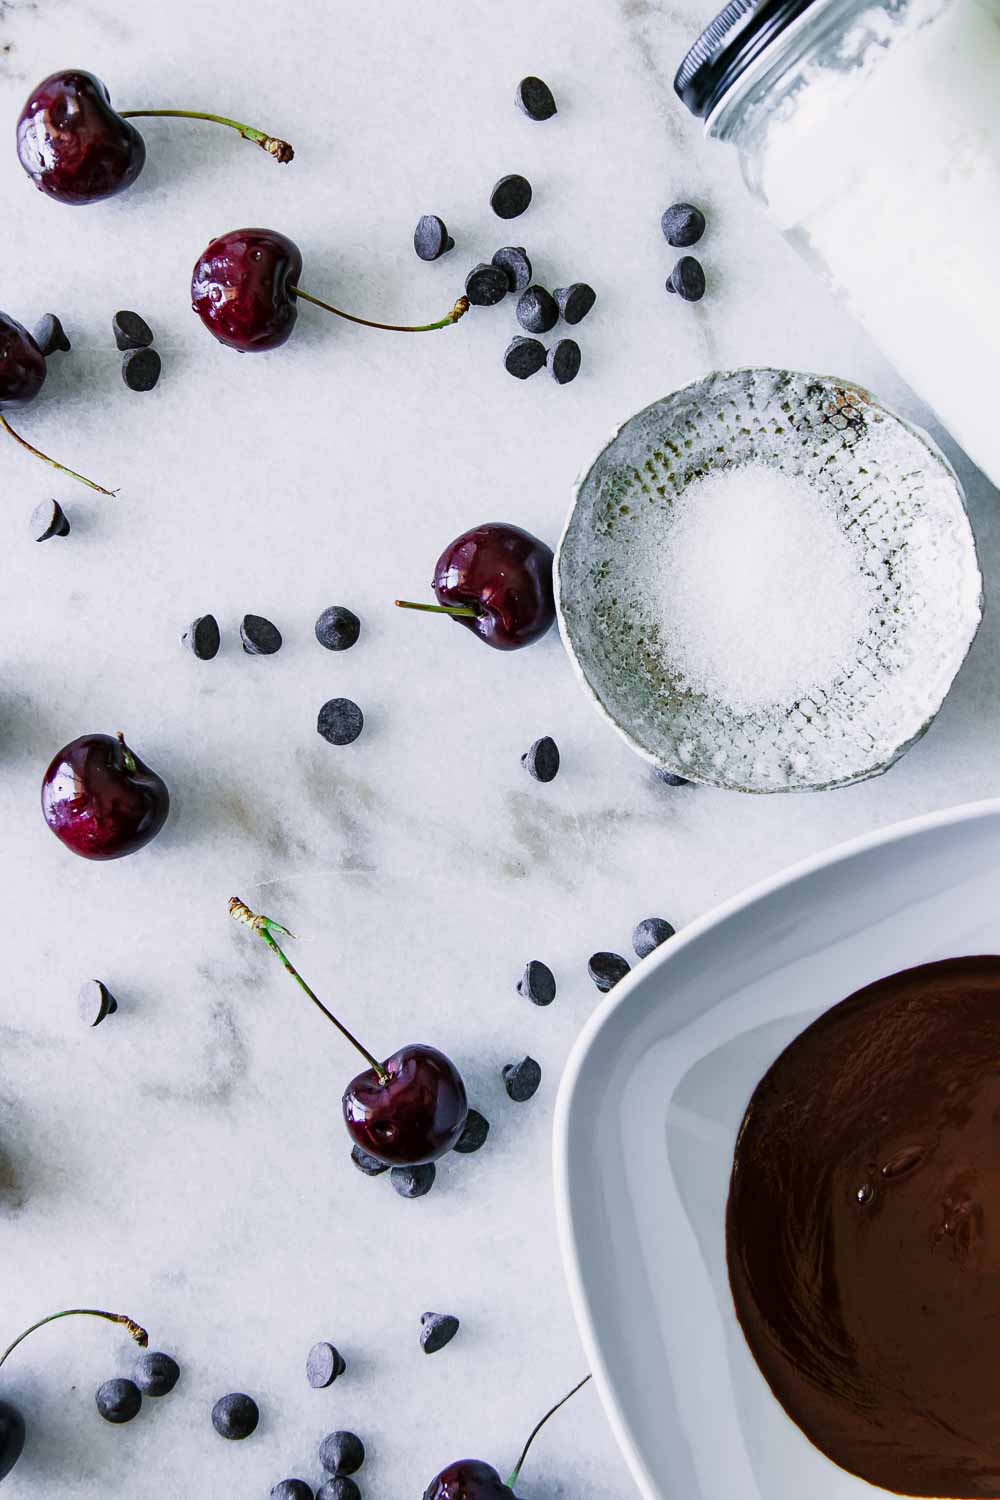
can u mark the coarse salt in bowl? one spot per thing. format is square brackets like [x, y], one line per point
[768, 582]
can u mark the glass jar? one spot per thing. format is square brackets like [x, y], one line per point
[871, 132]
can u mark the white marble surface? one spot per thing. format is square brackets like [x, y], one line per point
[185, 1162]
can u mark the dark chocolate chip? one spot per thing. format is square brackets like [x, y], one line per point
[323, 1364]
[523, 357]
[687, 279]
[513, 261]
[413, 1182]
[537, 983]
[431, 239]
[682, 225]
[203, 637]
[474, 1133]
[521, 1079]
[131, 331]
[235, 1416]
[537, 310]
[141, 369]
[340, 721]
[436, 1330]
[669, 778]
[156, 1373]
[564, 361]
[119, 1400]
[292, 1489]
[606, 969]
[95, 1002]
[50, 336]
[649, 934]
[338, 628]
[370, 1165]
[510, 196]
[48, 519]
[575, 301]
[542, 760]
[338, 1488]
[259, 636]
[486, 285]
[534, 98]
[342, 1452]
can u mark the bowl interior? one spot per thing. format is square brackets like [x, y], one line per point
[897, 503]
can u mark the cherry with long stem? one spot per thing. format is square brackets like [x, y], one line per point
[134, 1329]
[265, 928]
[280, 150]
[458, 611]
[516, 1471]
[459, 310]
[51, 461]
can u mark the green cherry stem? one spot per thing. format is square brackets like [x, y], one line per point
[458, 311]
[265, 928]
[516, 1471]
[280, 150]
[459, 611]
[46, 459]
[135, 1329]
[128, 759]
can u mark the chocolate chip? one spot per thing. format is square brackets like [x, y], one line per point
[521, 1079]
[687, 279]
[542, 760]
[537, 983]
[259, 636]
[474, 1133]
[513, 261]
[606, 969]
[338, 628]
[575, 301]
[431, 239]
[510, 196]
[203, 637]
[682, 224]
[131, 331]
[141, 369]
[485, 285]
[649, 934]
[48, 519]
[523, 357]
[340, 721]
[369, 1165]
[537, 310]
[564, 361]
[50, 336]
[534, 98]
[413, 1182]
[436, 1330]
[95, 1002]
[324, 1363]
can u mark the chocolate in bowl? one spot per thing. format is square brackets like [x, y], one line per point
[863, 1230]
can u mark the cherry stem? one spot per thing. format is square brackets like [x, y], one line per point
[128, 759]
[135, 1329]
[459, 611]
[266, 927]
[458, 311]
[280, 150]
[515, 1474]
[46, 459]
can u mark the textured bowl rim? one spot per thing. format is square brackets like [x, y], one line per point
[935, 455]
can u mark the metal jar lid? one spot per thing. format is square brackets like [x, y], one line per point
[728, 45]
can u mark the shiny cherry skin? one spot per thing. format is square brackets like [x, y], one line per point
[416, 1115]
[100, 800]
[73, 145]
[468, 1479]
[22, 364]
[11, 1437]
[505, 574]
[240, 288]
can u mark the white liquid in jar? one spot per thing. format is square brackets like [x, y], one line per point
[888, 177]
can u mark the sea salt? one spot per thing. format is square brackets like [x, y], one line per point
[763, 598]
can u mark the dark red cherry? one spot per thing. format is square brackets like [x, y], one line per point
[244, 289]
[22, 364]
[12, 1434]
[99, 798]
[414, 1114]
[496, 580]
[241, 288]
[468, 1479]
[73, 145]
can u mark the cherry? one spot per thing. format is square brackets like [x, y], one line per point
[99, 798]
[245, 290]
[12, 1428]
[471, 1479]
[415, 1114]
[496, 580]
[22, 375]
[77, 149]
[406, 1111]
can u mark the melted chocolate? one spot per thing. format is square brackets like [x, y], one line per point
[863, 1230]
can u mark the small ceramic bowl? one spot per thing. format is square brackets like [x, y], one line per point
[895, 497]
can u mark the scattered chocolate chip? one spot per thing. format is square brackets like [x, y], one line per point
[534, 98]
[323, 1364]
[431, 239]
[485, 285]
[687, 279]
[606, 969]
[141, 369]
[542, 760]
[513, 261]
[338, 628]
[536, 310]
[119, 1400]
[95, 1002]
[338, 1488]
[564, 361]
[413, 1182]
[131, 331]
[292, 1489]
[537, 983]
[48, 519]
[235, 1416]
[669, 778]
[436, 1330]
[203, 637]
[370, 1165]
[649, 934]
[510, 196]
[340, 721]
[342, 1453]
[156, 1373]
[523, 357]
[682, 225]
[575, 301]
[474, 1133]
[259, 636]
[50, 336]
[521, 1079]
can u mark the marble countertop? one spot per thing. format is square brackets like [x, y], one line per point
[185, 1161]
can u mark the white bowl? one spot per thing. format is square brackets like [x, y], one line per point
[646, 1123]
[897, 501]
